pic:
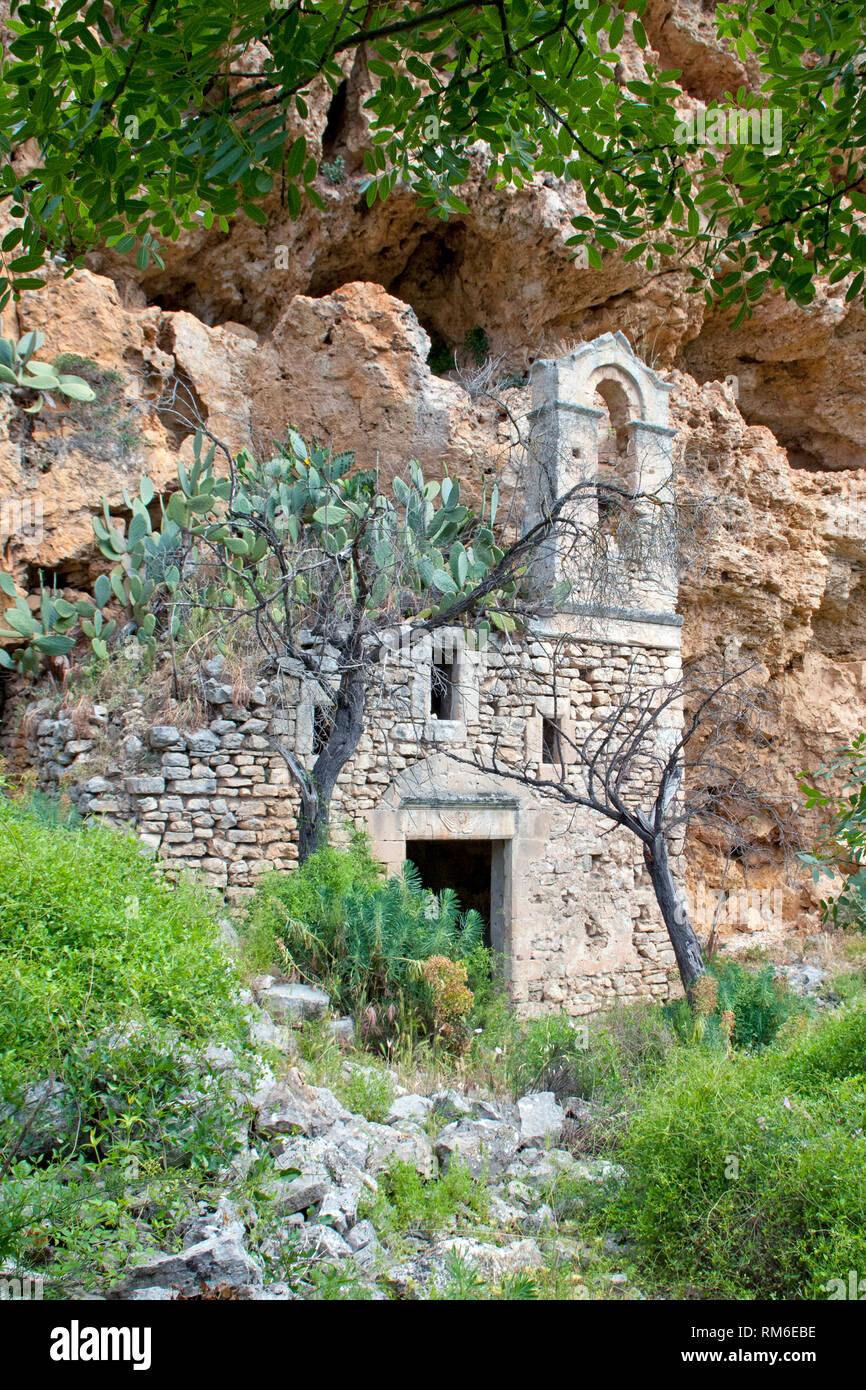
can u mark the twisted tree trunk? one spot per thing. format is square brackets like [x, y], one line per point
[687, 947]
[317, 786]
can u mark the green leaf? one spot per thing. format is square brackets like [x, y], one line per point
[255, 214]
[139, 527]
[330, 515]
[20, 622]
[116, 581]
[177, 509]
[443, 581]
[76, 389]
[53, 644]
[102, 591]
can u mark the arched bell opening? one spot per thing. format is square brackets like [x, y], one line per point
[617, 462]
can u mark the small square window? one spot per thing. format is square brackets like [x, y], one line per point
[443, 690]
[551, 751]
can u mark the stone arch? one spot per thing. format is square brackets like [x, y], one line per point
[608, 359]
[620, 391]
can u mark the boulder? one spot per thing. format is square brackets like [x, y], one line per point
[451, 1103]
[485, 1146]
[299, 1194]
[409, 1109]
[362, 1237]
[323, 1243]
[217, 694]
[339, 1207]
[166, 736]
[502, 1213]
[220, 1259]
[266, 1033]
[343, 1031]
[338, 1156]
[495, 1261]
[400, 1144]
[540, 1120]
[293, 1107]
[294, 1003]
[540, 1168]
[47, 1119]
[202, 741]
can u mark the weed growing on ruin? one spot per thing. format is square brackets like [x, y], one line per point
[367, 1092]
[407, 1203]
[334, 170]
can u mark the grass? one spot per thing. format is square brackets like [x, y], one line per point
[108, 425]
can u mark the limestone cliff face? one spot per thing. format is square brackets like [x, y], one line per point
[327, 323]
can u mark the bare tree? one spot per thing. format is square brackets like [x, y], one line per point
[648, 768]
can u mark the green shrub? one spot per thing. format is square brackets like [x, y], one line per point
[365, 939]
[841, 847]
[464, 1284]
[607, 1059]
[832, 1051]
[112, 984]
[746, 1174]
[367, 1092]
[483, 977]
[746, 1007]
[476, 345]
[406, 1201]
[440, 358]
[546, 1054]
[91, 934]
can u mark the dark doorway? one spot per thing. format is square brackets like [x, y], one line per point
[464, 865]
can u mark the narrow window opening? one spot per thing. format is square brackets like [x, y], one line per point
[322, 728]
[551, 751]
[443, 690]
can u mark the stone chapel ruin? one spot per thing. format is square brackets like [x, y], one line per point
[569, 904]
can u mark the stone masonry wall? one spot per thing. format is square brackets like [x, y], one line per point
[578, 925]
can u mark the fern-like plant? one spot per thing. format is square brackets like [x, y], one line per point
[337, 922]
